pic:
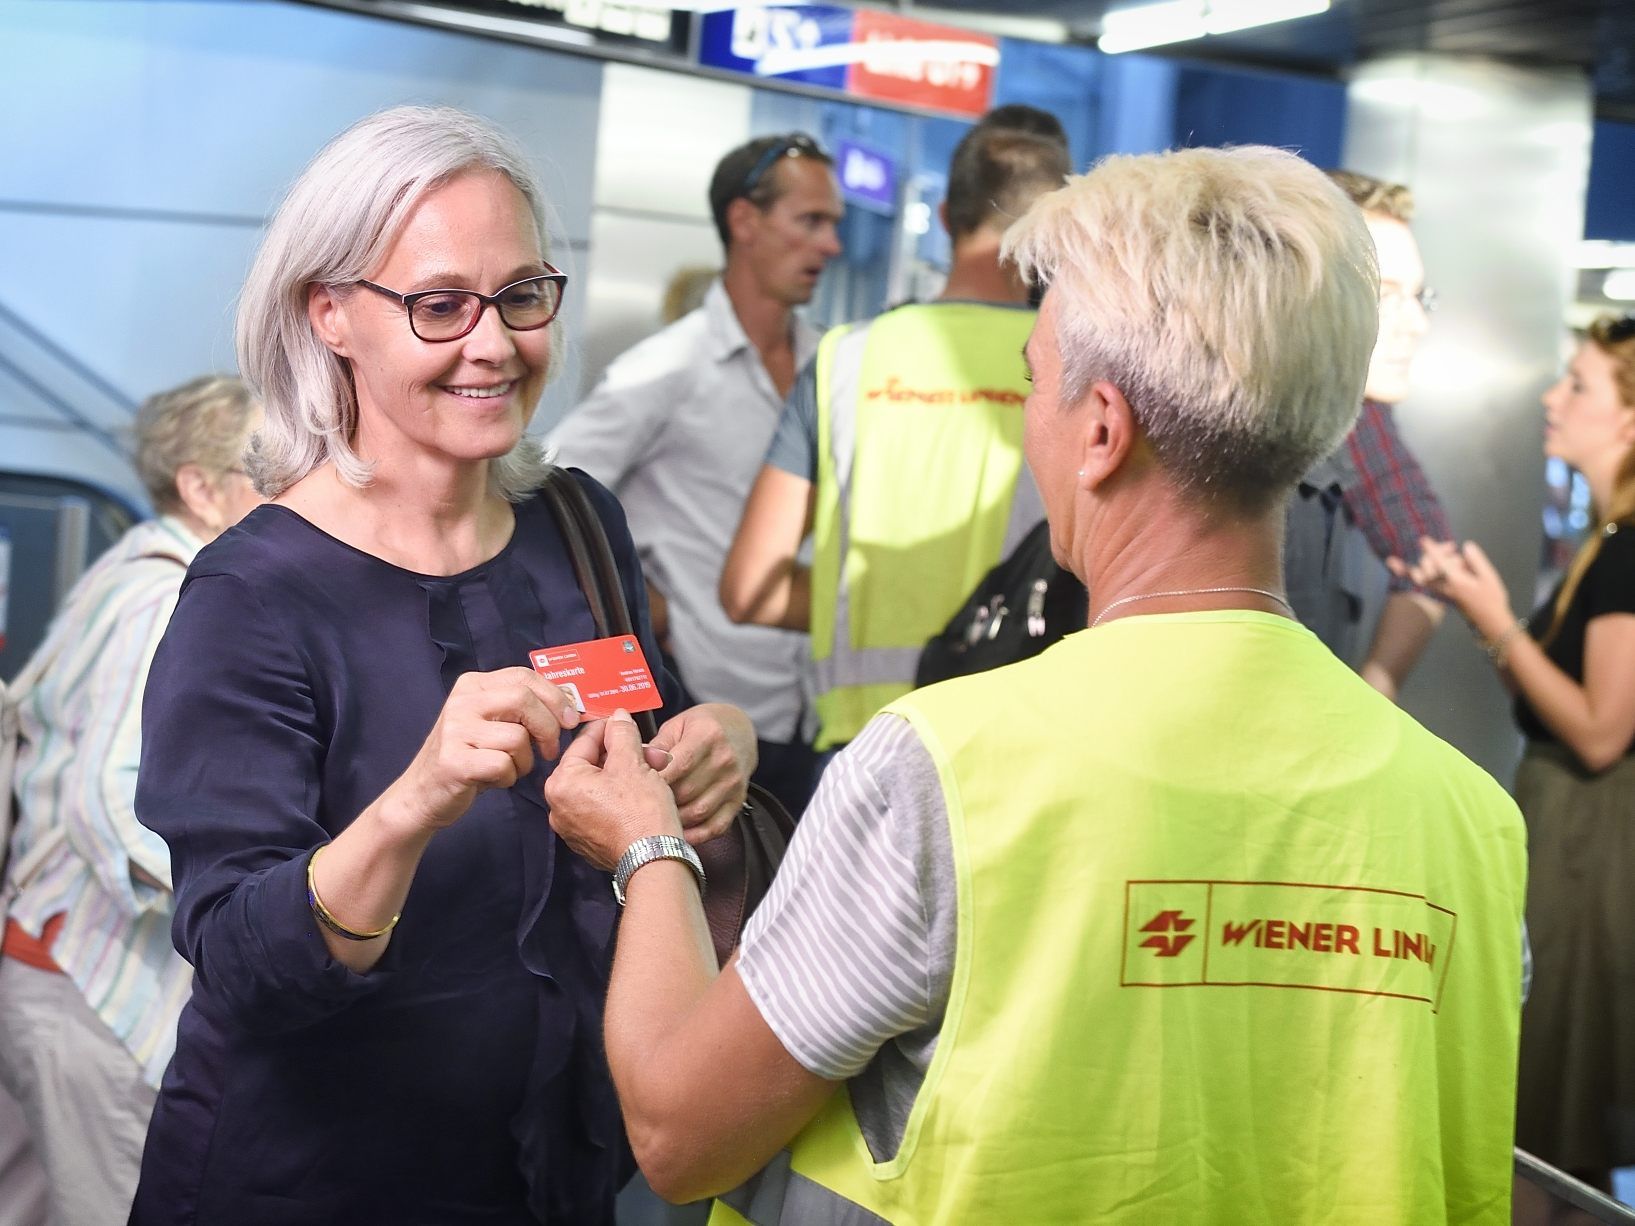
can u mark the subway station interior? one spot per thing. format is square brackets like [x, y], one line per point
[146, 144]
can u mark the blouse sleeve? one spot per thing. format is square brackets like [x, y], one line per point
[1609, 587]
[232, 750]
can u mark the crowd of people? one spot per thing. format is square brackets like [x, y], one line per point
[307, 898]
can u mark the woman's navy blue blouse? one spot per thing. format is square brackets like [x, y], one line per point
[461, 1080]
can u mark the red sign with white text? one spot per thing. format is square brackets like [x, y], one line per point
[919, 64]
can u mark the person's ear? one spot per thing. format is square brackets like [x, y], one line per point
[202, 497]
[1626, 424]
[743, 214]
[326, 312]
[1109, 434]
[942, 216]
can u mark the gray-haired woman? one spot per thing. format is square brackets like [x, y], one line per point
[89, 984]
[344, 732]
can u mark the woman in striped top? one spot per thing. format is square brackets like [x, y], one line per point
[89, 984]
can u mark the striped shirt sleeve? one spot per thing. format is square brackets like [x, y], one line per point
[839, 957]
[98, 809]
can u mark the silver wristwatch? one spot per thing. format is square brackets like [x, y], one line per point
[645, 851]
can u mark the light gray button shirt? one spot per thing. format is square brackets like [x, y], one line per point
[678, 428]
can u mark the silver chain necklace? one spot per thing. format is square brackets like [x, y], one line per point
[1190, 591]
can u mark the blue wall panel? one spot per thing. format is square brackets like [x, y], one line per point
[1610, 210]
[1217, 107]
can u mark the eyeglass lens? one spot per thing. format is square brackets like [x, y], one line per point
[446, 314]
[1390, 292]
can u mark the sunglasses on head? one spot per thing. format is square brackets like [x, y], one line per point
[790, 144]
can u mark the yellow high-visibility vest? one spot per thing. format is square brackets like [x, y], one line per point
[919, 452]
[1238, 942]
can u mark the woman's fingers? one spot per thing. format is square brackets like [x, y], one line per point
[622, 748]
[521, 696]
[1476, 558]
[488, 740]
[603, 796]
[707, 805]
[698, 767]
[711, 824]
[586, 749]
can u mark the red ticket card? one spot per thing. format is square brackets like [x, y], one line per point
[600, 676]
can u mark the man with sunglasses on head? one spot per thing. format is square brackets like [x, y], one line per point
[933, 387]
[1371, 500]
[678, 425]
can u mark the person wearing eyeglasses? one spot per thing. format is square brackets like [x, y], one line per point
[678, 425]
[1571, 666]
[399, 970]
[90, 986]
[926, 387]
[1371, 501]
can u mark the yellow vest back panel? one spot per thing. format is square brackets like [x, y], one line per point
[1239, 942]
[915, 508]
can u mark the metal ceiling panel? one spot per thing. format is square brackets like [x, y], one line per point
[1594, 36]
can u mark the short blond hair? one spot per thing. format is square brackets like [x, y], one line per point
[204, 421]
[1232, 296]
[337, 220]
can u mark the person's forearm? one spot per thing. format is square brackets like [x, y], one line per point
[363, 877]
[795, 612]
[780, 597]
[1406, 625]
[663, 965]
[762, 582]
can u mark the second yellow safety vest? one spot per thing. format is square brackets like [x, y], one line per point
[919, 455]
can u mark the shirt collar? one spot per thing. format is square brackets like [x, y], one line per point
[166, 536]
[727, 337]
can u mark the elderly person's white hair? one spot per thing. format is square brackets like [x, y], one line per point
[202, 422]
[338, 220]
[1231, 295]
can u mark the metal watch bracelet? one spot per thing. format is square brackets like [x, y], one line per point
[645, 851]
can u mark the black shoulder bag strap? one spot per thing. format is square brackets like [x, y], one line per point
[593, 565]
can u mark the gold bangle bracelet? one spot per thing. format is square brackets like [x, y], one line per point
[328, 920]
[1500, 647]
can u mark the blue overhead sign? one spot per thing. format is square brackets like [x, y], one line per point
[795, 43]
[867, 54]
[867, 177]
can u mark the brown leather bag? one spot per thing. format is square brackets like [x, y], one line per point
[739, 864]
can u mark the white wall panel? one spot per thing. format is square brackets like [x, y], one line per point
[145, 143]
[660, 137]
[1498, 159]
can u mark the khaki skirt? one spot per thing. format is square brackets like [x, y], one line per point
[1576, 1094]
